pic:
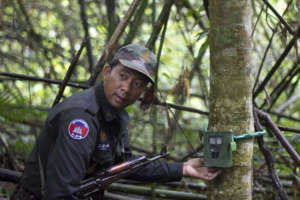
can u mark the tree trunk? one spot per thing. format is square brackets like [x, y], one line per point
[231, 96]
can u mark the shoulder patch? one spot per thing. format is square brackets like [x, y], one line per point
[78, 129]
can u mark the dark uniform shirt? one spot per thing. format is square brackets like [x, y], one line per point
[82, 134]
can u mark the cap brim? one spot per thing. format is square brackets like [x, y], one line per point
[137, 67]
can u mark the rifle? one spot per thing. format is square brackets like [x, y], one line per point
[104, 178]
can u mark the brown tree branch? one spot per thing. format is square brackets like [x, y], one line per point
[85, 86]
[112, 16]
[113, 41]
[294, 130]
[28, 21]
[85, 24]
[265, 118]
[287, 26]
[163, 17]
[32, 32]
[269, 45]
[69, 73]
[263, 59]
[45, 80]
[278, 63]
[184, 108]
[269, 159]
[137, 21]
[195, 13]
[284, 83]
[288, 102]
[284, 116]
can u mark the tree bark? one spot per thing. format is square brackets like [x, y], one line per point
[231, 96]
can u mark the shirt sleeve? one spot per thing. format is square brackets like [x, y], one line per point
[71, 154]
[157, 171]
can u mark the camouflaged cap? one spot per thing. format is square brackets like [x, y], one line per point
[139, 58]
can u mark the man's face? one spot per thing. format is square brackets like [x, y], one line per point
[123, 86]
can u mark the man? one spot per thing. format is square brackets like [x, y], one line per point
[88, 132]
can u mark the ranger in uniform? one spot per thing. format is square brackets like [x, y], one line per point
[88, 132]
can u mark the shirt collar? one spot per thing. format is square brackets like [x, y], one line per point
[107, 110]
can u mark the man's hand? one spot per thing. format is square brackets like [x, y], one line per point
[195, 168]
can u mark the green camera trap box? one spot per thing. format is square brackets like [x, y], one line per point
[218, 147]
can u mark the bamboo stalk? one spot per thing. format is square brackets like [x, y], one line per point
[146, 191]
[113, 41]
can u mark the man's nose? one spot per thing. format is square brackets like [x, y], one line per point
[126, 85]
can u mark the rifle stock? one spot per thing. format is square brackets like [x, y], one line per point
[101, 180]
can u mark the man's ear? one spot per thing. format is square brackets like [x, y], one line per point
[148, 98]
[106, 70]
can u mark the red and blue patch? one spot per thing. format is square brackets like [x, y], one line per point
[78, 129]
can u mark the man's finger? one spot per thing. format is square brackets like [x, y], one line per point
[211, 176]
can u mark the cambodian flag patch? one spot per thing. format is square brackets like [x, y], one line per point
[78, 129]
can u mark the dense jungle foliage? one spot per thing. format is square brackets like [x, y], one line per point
[39, 38]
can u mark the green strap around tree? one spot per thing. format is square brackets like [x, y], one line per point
[249, 135]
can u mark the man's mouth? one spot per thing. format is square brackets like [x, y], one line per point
[120, 99]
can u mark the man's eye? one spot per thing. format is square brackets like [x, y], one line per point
[139, 84]
[123, 76]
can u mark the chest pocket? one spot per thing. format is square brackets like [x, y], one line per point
[110, 147]
[103, 155]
